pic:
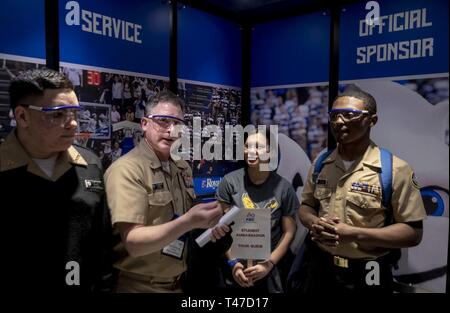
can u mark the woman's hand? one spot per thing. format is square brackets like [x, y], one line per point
[259, 270]
[239, 276]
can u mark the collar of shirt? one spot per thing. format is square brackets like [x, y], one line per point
[370, 158]
[150, 155]
[13, 155]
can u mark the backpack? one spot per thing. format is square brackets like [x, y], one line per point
[386, 157]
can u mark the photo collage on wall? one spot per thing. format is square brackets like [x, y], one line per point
[214, 106]
[301, 113]
[8, 70]
[113, 104]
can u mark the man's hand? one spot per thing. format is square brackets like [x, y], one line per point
[322, 234]
[333, 229]
[218, 232]
[205, 215]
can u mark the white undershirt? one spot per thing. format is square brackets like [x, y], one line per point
[347, 164]
[47, 165]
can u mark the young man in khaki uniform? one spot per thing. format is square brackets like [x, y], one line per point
[150, 196]
[343, 207]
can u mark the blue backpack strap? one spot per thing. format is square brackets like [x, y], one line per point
[386, 177]
[319, 165]
[386, 186]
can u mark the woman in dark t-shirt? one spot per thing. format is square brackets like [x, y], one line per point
[255, 187]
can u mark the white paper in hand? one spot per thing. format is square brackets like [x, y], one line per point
[227, 219]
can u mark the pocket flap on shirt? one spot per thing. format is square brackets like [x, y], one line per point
[159, 198]
[322, 193]
[364, 200]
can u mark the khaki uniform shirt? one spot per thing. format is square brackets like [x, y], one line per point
[140, 191]
[355, 196]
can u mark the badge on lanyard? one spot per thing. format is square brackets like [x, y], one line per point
[175, 248]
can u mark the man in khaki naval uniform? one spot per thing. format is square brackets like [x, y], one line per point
[150, 197]
[343, 208]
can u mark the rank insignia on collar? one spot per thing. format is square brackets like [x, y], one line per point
[187, 179]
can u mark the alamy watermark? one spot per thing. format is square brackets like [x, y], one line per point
[73, 274]
[373, 17]
[231, 137]
[373, 276]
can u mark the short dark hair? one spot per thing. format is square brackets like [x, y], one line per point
[164, 96]
[268, 133]
[353, 91]
[34, 82]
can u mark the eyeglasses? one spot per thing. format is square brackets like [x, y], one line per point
[164, 122]
[347, 115]
[58, 115]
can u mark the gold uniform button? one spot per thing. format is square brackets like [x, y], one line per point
[340, 262]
